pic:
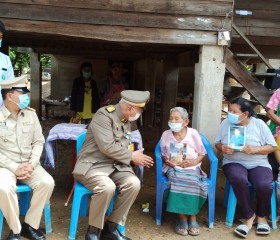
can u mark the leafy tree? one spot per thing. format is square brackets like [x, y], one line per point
[46, 61]
[21, 60]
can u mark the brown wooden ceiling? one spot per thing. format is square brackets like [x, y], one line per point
[132, 29]
[109, 28]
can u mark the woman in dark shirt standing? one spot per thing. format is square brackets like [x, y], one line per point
[84, 97]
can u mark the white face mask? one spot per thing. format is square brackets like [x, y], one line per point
[132, 119]
[175, 127]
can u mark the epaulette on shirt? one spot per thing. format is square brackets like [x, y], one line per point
[110, 109]
[31, 109]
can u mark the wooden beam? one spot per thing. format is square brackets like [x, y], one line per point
[262, 14]
[114, 33]
[261, 31]
[36, 83]
[243, 76]
[256, 23]
[257, 5]
[270, 52]
[251, 45]
[105, 17]
[102, 54]
[171, 74]
[64, 44]
[150, 85]
[257, 40]
[139, 75]
[199, 7]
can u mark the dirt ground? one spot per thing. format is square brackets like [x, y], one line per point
[139, 225]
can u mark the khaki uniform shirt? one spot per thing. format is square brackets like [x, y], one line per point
[21, 139]
[106, 145]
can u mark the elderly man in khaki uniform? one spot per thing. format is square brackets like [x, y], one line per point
[21, 145]
[104, 164]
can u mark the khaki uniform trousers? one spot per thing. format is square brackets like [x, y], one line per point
[42, 184]
[104, 188]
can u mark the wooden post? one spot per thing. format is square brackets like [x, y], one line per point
[36, 83]
[150, 84]
[171, 73]
[208, 91]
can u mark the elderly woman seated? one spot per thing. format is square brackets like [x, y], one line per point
[182, 152]
[248, 163]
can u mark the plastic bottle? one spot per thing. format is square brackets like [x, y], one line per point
[243, 12]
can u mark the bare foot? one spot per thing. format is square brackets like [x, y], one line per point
[261, 220]
[182, 225]
[249, 222]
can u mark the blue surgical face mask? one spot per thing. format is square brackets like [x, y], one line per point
[233, 118]
[24, 101]
[175, 127]
[0, 42]
[86, 74]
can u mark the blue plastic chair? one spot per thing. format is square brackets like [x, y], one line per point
[24, 203]
[211, 182]
[230, 202]
[81, 199]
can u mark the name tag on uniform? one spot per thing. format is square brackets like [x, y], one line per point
[4, 73]
[26, 123]
[3, 125]
[131, 147]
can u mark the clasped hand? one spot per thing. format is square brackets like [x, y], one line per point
[140, 159]
[247, 149]
[24, 171]
[183, 164]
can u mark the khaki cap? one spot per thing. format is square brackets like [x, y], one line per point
[18, 83]
[135, 98]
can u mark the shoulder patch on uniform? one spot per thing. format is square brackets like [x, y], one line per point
[110, 109]
[31, 109]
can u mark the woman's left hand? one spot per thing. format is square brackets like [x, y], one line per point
[249, 149]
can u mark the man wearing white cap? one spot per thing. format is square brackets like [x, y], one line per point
[6, 68]
[21, 145]
[104, 164]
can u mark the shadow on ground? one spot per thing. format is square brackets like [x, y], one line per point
[139, 225]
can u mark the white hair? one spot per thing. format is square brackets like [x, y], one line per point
[123, 101]
[183, 112]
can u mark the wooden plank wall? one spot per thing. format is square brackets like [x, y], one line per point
[264, 21]
[144, 21]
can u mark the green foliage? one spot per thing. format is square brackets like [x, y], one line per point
[46, 61]
[249, 67]
[21, 60]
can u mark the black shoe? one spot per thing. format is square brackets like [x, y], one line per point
[93, 233]
[13, 236]
[29, 232]
[111, 232]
